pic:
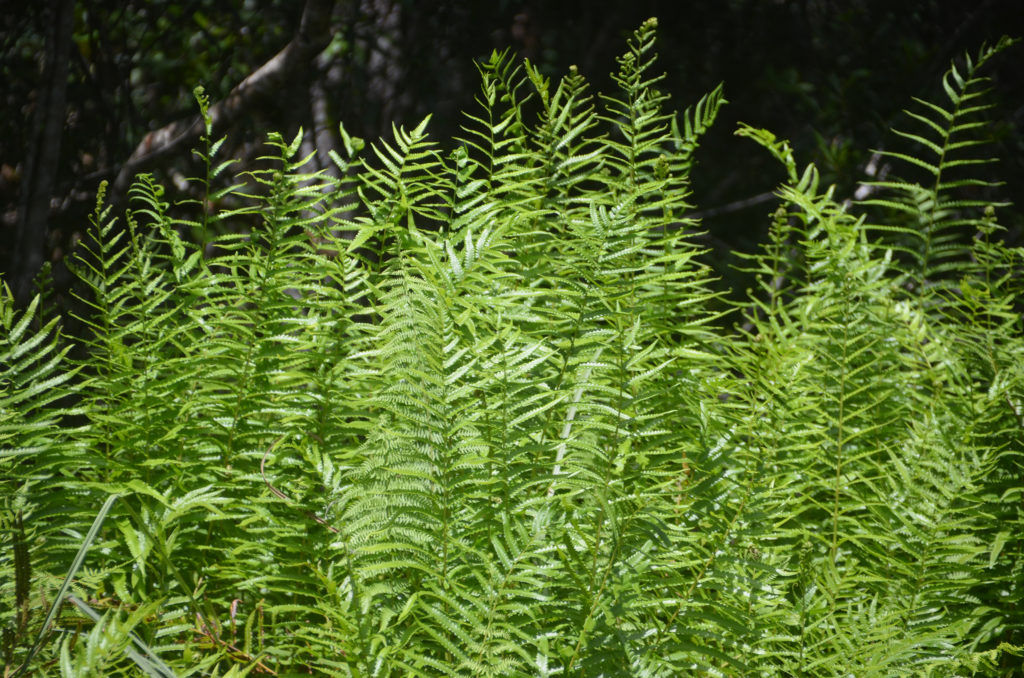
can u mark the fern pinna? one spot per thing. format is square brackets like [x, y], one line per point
[477, 412]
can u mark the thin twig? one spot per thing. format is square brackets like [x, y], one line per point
[207, 633]
[284, 496]
[735, 206]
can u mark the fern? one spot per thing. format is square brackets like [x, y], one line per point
[937, 211]
[469, 412]
[893, 439]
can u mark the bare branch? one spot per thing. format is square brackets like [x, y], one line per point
[312, 37]
[732, 206]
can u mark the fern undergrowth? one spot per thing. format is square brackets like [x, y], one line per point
[472, 413]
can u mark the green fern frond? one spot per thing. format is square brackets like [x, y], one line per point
[474, 412]
[937, 215]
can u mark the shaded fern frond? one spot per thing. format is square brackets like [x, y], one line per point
[938, 214]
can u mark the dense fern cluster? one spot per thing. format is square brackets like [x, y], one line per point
[470, 414]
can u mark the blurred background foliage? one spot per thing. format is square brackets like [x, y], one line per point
[830, 76]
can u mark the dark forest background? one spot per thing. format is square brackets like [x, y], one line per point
[100, 91]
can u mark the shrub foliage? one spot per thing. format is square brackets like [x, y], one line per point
[476, 414]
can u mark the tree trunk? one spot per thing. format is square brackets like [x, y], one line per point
[29, 248]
